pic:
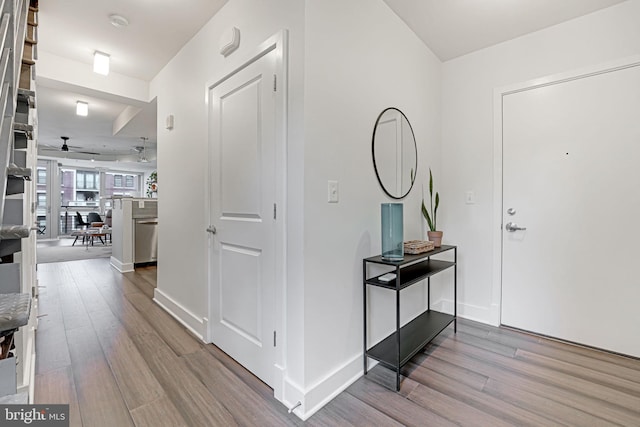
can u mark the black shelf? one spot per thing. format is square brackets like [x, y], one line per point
[408, 258]
[9, 247]
[413, 274]
[20, 141]
[414, 336]
[398, 348]
[15, 185]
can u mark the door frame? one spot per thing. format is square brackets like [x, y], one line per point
[498, 207]
[277, 43]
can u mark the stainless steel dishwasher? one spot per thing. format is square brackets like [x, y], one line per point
[146, 240]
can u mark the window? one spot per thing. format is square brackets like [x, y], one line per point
[80, 187]
[67, 193]
[41, 206]
[122, 184]
[42, 176]
[86, 180]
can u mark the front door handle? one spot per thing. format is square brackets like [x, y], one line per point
[512, 226]
[211, 229]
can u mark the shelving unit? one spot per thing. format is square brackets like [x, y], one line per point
[18, 157]
[398, 348]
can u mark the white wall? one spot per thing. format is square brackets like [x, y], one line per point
[360, 59]
[351, 61]
[348, 61]
[467, 129]
[182, 160]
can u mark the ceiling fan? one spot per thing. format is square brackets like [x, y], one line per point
[142, 151]
[69, 148]
[64, 147]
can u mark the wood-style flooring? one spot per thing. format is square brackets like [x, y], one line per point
[118, 359]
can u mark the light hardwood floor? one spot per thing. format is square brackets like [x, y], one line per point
[118, 359]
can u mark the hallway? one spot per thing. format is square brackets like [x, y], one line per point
[119, 360]
[104, 347]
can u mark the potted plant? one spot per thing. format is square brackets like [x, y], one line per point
[431, 215]
[152, 184]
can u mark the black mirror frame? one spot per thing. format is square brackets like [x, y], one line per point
[373, 154]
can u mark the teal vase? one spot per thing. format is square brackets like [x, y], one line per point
[392, 231]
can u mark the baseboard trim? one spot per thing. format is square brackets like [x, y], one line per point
[313, 398]
[324, 390]
[472, 312]
[186, 318]
[292, 393]
[120, 266]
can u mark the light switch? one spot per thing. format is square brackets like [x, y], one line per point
[470, 198]
[332, 189]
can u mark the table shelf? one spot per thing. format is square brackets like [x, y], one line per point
[398, 348]
[412, 274]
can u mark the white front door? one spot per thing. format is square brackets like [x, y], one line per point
[571, 170]
[243, 195]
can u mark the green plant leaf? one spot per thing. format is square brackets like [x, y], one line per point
[431, 213]
[425, 213]
[435, 211]
[430, 184]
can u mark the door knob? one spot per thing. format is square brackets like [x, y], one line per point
[211, 229]
[512, 226]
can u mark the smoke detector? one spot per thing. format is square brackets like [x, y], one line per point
[118, 20]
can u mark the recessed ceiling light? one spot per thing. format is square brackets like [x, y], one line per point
[118, 20]
[101, 63]
[82, 108]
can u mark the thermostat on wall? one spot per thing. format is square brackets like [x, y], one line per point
[229, 41]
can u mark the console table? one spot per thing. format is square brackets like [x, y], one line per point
[398, 348]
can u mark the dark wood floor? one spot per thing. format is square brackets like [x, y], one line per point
[118, 359]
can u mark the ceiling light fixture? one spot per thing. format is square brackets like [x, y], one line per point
[142, 151]
[101, 63]
[118, 20]
[82, 108]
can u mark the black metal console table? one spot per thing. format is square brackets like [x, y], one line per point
[398, 348]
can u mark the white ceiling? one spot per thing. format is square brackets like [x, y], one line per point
[74, 29]
[452, 28]
[94, 133]
[157, 29]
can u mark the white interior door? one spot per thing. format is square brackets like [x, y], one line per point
[571, 169]
[243, 184]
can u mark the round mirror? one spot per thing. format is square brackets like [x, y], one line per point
[395, 157]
